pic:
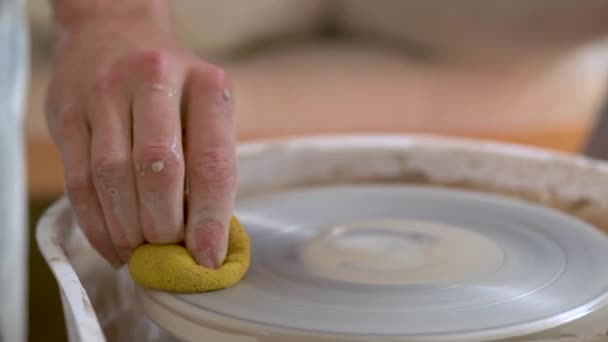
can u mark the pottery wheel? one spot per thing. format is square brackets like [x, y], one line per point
[411, 262]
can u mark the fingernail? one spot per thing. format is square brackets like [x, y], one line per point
[209, 242]
[204, 258]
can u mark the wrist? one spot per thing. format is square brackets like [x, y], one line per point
[73, 15]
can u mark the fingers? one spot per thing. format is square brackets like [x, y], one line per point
[73, 139]
[157, 149]
[210, 166]
[111, 165]
[125, 176]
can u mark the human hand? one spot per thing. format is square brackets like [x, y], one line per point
[113, 109]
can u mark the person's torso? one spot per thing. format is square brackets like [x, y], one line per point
[478, 29]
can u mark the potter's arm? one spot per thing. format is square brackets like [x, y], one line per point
[597, 145]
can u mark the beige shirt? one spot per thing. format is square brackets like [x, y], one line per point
[461, 29]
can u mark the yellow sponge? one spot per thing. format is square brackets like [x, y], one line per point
[172, 268]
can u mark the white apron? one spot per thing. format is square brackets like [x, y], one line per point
[14, 66]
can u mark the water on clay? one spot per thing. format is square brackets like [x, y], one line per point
[399, 252]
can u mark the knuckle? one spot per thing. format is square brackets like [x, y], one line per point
[216, 167]
[63, 125]
[156, 150]
[110, 169]
[163, 152]
[214, 78]
[154, 63]
[68, 120]
[66, 117]
[105, 81]
[79, 189]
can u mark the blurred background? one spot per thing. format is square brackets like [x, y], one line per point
[524, 72]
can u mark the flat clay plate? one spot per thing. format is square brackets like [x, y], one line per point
[392, 262]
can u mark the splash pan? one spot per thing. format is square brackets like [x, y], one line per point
[376, 238]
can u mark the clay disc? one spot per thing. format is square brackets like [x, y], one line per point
[406, 263]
